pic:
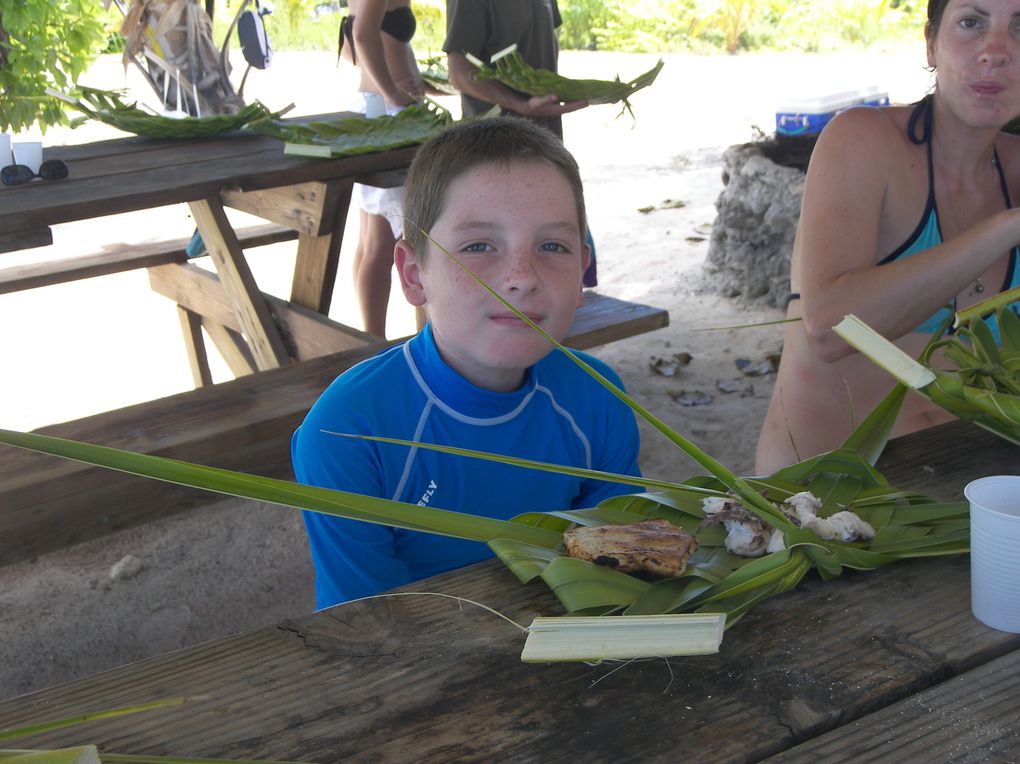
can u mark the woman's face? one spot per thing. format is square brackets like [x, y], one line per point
[976, 51]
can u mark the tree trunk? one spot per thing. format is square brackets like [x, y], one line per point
[171, 42]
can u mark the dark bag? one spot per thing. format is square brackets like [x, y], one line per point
[251, 32]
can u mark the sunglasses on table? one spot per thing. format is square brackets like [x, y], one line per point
[16, 174]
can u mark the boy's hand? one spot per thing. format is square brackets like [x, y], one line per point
[549, 106]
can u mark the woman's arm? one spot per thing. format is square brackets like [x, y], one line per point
[408, 78]
[368, 42]
[851, 177]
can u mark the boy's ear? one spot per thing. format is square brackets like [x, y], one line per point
[409, 272]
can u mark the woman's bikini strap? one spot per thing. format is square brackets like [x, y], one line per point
[922, 113]
[346, 33]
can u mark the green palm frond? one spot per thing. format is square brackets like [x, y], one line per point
[511, 70]
[89, 754]
[109, 107]
[983, 386]
[907, 524]
[359, 135]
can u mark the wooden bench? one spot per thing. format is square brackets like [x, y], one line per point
[48, 503]
[124, 258]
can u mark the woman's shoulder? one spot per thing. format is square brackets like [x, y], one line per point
[865, 126]
[865, 140]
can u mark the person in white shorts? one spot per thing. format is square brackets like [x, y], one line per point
[376, 38]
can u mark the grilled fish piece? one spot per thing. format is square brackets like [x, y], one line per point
[746, 534]
[651, 546]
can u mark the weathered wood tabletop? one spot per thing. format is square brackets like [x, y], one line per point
[242, 170]
[137, 173]
[884, 665]
[310, 196]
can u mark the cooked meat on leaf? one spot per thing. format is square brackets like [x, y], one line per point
[651, 546]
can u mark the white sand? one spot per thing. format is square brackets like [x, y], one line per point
[95, 345]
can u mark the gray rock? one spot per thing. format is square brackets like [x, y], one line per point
[752, 239]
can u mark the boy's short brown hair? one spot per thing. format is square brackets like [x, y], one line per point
[445, 157]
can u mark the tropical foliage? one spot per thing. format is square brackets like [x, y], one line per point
[732, 25]
[44, 44]
[49, 44]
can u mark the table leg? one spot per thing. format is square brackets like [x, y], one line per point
[256, 321]
[231, 344]
[318, 256]
[232, 347]
[191, 328]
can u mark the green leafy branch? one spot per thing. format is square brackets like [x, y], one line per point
[44, 44]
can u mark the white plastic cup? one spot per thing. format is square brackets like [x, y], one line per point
[995, 551]
[5, 150]
[28, 153]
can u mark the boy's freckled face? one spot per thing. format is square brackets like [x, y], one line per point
[516, 227]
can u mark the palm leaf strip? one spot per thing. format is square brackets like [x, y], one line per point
[982, 384]
[89, 753]
[908, 524]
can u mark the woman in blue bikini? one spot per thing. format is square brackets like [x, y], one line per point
[906, 210]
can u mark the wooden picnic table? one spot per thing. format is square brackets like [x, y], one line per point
[303, 197]
[243, 424]
[887, 665]
[242, 170]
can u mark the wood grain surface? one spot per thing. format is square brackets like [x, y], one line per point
[420, 678]
[127, 174]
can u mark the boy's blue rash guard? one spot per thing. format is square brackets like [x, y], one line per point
[560, 415]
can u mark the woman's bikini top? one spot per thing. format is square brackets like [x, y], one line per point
[928, 233]
[398, 23]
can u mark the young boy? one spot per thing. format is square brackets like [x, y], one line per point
[503, 196]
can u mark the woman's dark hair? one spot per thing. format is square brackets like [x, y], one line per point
[935, 10]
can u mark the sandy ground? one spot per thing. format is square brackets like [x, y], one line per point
[77, 349]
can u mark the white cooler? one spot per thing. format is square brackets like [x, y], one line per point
[807, 116]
